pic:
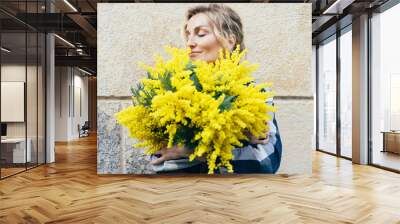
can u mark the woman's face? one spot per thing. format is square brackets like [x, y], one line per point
[201, 39]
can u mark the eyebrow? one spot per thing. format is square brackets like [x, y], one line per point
[196, 28]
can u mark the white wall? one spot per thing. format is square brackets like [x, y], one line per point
[79, 112]
[71, 94]
[17, 72]
[61, 103]
[33, 126]
[14, 72]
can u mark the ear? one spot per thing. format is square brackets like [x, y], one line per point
[231, 42]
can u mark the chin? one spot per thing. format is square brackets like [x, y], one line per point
[195, 58]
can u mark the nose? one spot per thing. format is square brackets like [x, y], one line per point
[191, 43]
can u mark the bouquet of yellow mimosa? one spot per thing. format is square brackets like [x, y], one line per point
[206, 107]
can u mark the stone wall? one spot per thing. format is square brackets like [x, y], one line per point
[278, 37]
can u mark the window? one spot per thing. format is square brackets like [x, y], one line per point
[346, 92]
[23, 77]
[327, 95]
[385, 88]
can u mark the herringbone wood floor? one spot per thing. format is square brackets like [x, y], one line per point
[70, 191]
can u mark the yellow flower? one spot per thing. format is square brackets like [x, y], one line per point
[208, 106]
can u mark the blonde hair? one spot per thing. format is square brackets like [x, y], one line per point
[225, 22]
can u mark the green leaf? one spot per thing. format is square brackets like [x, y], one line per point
[190, 66]
[140, 100]
[217, 94]
[149, 76]
[227, 103]
[166, 82]
[185, 134]
[196, 82]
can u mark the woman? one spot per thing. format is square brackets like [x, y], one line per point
[207, 30]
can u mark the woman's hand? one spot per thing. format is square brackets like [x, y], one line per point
[254, 140]
[171, 153]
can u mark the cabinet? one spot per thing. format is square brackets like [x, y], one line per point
[391, 141]
[13, 150]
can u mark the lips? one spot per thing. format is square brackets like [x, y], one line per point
[194, 53]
